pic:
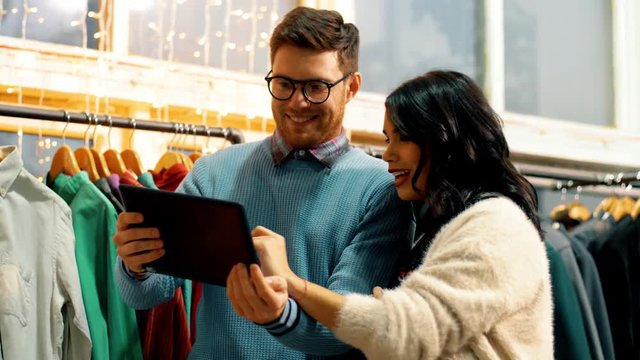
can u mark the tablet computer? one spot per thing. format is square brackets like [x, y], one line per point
[203, 238]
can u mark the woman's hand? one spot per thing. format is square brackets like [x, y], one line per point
[255, 297]
[272, 251]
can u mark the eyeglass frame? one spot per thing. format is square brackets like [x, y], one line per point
[304, 84]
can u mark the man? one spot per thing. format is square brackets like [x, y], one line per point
[334, 203]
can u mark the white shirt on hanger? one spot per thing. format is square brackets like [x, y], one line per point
[42, 315]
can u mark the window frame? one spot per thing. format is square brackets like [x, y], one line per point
[536, 139]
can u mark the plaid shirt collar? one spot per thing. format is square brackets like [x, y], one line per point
[326, 153]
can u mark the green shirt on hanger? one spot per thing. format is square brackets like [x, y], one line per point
[570, 339]
[112, 323]
[146, 179]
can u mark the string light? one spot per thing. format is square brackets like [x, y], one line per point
[227, 18]
[172, 30]
[26, 10]
[251, 48]
[3, 12]
[158, 28]
[204, 41]
[167, 51]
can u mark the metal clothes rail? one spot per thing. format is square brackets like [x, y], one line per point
[231, 134]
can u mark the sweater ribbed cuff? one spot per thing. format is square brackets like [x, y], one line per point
[133, 275]
[287, 321]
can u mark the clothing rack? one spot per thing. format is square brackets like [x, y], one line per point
[607, 183]
[232, 135]
[558, 178]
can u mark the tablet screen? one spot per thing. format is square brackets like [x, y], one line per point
[203, 238]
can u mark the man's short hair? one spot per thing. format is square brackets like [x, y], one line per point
[322, 30]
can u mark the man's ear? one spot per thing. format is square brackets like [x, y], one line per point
[354, 82]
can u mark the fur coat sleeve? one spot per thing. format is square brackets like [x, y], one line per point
[483, 290]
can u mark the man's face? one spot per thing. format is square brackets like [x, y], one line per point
[301, 123]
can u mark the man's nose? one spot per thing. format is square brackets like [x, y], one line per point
[298, 99]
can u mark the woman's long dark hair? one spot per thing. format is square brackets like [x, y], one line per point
[447, 115]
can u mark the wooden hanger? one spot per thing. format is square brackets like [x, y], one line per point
[578, 211]
[196, 154]
[605, 206]
[558, 212]
[98, 158]
[167, 160]
[132, 161]
[85, 161]
[115, 162]
[85, 158]
[636, 210]
[101, 163]
[571, 214]
[186, 160]
[170, 157]
[130, 156]
[624, 207]
[188, 163]
[64, 161]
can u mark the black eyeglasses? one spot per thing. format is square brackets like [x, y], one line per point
[315, 91]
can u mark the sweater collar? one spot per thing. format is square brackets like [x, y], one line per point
[326, 153]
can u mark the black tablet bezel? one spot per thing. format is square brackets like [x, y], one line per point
[203, 237]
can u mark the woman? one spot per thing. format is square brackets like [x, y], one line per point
[476, 283]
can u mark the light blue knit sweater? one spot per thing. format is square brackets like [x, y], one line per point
[344, 225]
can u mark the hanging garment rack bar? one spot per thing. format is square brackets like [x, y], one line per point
[596, 189]
[232, 135]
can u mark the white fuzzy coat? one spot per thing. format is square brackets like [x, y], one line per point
[483, 291]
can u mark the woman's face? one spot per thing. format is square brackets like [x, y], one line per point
[403, 156]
